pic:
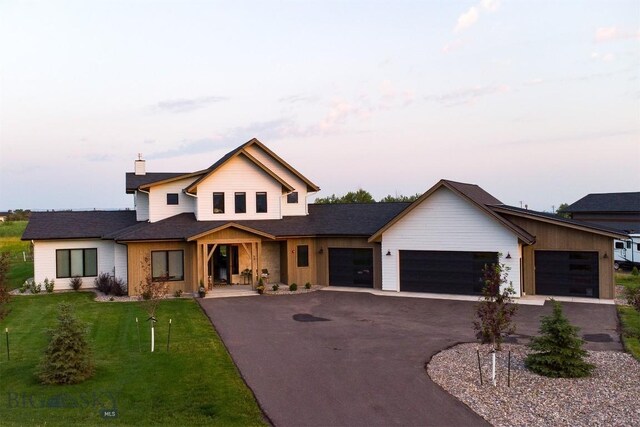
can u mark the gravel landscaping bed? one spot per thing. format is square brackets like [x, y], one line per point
[608, 398]
[284, 290]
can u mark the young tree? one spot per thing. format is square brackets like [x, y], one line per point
[561, 210]
[152, 290]
[558, 351]
[496, 308]
[4, 290]
[68, 358]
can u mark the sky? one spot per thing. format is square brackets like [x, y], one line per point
[538, 102]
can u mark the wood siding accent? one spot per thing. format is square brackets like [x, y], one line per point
[137, 251]
[238, 175]
[446, 222]
[326, 243]
[301, 275]
[553, 237]
[158, 208]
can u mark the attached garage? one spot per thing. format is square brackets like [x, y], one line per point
[449, 272]
[351, 267]
[567, 273]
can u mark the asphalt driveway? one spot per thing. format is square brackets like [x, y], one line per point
[338, 358]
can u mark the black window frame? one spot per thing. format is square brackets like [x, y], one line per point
[261, 195]
[302, 256]
[221, 209]
[292, 198]
[173, 199]
[619, 245]
[84, 272]
[240, 196]
[166, 252]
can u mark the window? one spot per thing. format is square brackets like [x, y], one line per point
[218, 203]
[628, 244]
[241, 202]
[172, 198]
[292, 197]
[235, 264]
[167, 263]
[261, 202]
[303, 256]
[76, 262]
[619, 245]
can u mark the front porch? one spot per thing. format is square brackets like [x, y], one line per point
[234, 257]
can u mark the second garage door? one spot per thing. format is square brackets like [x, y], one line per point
[566, 273]
[449, 272]
[351, 267]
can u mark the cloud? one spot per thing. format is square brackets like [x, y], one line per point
[472, 15]
[607, 57]
[533, 82]
[454, 45]
[293, 99]
[578, 138]
[607, 34]
[268, 130]
[100, 157]
[467, 19]
[185, 105]
[467, 95]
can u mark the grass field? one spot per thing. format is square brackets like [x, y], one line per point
[19, 271]
[629, 317]
[194, 383]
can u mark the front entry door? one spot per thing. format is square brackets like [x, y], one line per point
[219, 265]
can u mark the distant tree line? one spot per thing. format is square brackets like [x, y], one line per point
[18, 215]
[363, 196]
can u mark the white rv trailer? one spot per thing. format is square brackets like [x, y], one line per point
[627, 252]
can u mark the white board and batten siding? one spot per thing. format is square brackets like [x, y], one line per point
[288, 209]
[446, 222]
[141, 203]
[238, 175]
[112, 259]
[158, 207]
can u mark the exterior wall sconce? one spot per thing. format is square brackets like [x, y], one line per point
[321, 251]
[605, 256]
[508, 255]
[389, 253]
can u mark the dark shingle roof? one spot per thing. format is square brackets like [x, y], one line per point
[474, 192]
[76, 224]
[134, 181]
[607, 202]
[501, 209]
[323, 220]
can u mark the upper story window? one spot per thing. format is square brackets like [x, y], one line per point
[261, 202]
[241, 202]
[292, 197]
[172, 198]
[76, 262]
[619, 245]
[303, 255]
[218, 203]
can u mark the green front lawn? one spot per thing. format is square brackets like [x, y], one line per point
[195, 383]
[629, 317]
[19, 270]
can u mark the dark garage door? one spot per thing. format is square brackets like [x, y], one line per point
[448, 272]
[351, 267]
[565, 273]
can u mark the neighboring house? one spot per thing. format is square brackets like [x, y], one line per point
[615, 210]
[620, 211]
[249, 212]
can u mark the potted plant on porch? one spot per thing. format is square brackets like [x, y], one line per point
[260, 287]
[202, 291]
